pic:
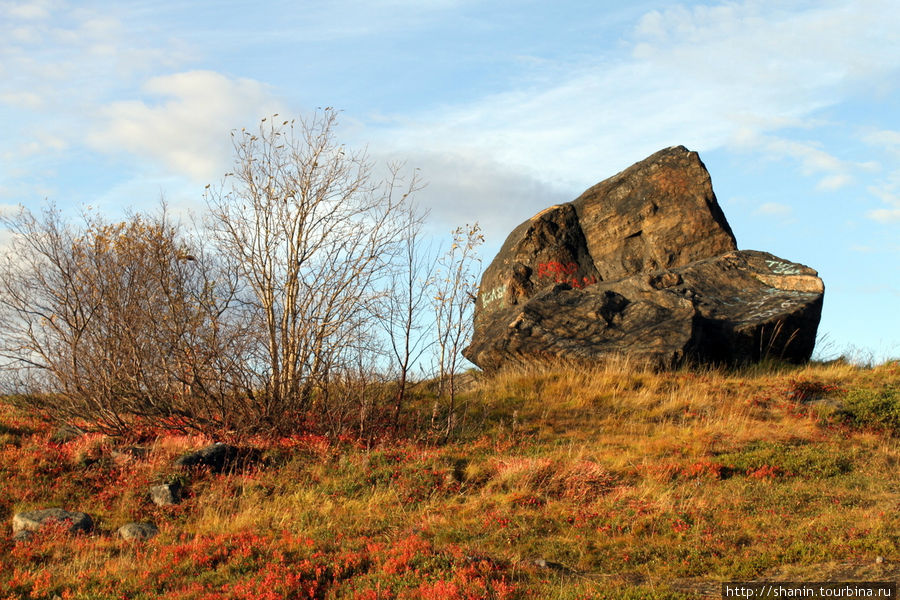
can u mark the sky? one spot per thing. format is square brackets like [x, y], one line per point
[505, 107]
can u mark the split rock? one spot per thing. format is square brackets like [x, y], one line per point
[645, 265]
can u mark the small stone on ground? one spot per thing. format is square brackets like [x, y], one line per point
[138, 531]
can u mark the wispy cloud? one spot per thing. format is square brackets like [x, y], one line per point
[186, 125]
[885, 215]
[887, 189]
[465, 189]
[33, 10]
[834, 182]
[22, 99]
[813, 160]
[889, 193]
[70, 55]
[743, 75]
[42, 143]
[886, 139]
[59, 62]
[774, 209]
[707, 77]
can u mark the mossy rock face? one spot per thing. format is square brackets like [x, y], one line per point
[644, 265]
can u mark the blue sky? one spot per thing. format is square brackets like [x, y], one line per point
[505, 107]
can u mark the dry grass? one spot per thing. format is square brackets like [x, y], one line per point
[565, 482]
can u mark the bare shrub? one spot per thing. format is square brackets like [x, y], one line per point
[455, 289]
[403, 311]
[110, 321]
[292, 308]
[311, 233]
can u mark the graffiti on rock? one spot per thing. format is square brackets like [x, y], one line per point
[564, 273]
[492, 296]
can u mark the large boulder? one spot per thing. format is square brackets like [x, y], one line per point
[643, 264]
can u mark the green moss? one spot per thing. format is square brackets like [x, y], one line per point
[816, 461]
[874, 407]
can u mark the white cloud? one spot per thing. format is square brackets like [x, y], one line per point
[885, 139]
[69, 54]
[813, 160]
[888, 192]
[834, 182]
[706, 77]
[652, 26]
[885, 215]
[34, 10]
[774, 209]
[59, 61]
[345, 20]
[187, 127]
[43, 143]
[23, 99]
[464, 189]
[887, 188]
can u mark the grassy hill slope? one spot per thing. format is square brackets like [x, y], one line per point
[563, 483]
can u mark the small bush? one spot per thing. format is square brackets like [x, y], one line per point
[878, 407]
[770, 460]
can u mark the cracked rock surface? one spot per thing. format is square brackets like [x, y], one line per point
[643, 264]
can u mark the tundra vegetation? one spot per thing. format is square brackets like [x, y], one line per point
[291, 324]
[560, 482]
